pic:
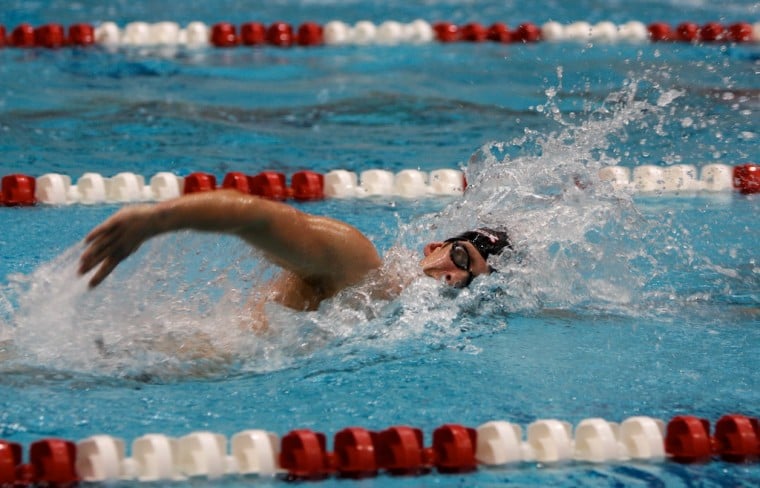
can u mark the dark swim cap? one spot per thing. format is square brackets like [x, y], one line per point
[487, 241]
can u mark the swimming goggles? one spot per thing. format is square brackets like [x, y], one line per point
[460, 256]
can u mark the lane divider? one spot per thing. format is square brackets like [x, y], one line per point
[94, 188]
[684, 179]
[303, 454]
[281, 34]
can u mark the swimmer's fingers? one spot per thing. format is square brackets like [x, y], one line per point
[95, 233]
[109, 264]
[107, 259]
[100, 248]
[107, 250]
[112, 241]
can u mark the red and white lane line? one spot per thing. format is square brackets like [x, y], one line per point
[391, 32]
[125, 187]
[359, 453]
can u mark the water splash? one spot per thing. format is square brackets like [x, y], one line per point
[581, 246]
[150, 321]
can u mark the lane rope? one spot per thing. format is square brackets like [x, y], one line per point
[94, 188]
[336, 33]
[303, 454]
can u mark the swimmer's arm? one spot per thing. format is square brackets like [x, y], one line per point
[323, 251]
[318, 249]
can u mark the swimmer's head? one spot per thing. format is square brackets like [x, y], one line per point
[459, 259]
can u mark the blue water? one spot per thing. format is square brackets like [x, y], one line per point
[619, 305]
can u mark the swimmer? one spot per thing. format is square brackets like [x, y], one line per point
[319, 256]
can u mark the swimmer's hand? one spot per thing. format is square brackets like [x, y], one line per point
[115, 239]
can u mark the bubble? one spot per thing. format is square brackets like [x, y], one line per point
[666, 98]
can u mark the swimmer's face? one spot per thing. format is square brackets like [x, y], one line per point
[455, 263]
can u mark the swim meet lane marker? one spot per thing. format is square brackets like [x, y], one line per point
[282, 34]
[302, 454]
[94, 188]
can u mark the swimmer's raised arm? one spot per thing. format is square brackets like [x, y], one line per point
[324, 252]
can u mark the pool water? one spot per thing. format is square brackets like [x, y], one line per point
[614, 305]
